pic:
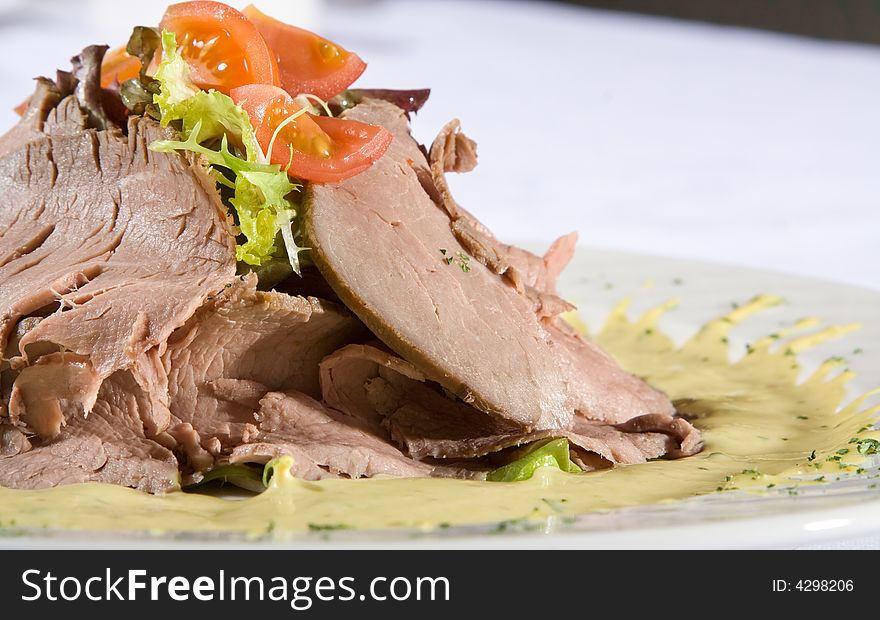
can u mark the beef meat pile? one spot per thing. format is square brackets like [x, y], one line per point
[132, 353]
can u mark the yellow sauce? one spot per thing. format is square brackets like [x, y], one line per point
[762, 430]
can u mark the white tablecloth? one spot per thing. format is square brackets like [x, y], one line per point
[644, 134]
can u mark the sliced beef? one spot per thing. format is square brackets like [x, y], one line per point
[56, 385]
[379, 240]
[114, 232]
[65, 106]
[105, 249]
[485, 329]
[107, 446]
[127, 339]
[532, 275]
[322, 442]
[41, 105]
[127, 244]
[12, 440]
[240, 345]
[602, 391]
[376, 386]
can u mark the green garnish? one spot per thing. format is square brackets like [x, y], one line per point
[243, 476]
[550, 453]
[869, 446]
[213, 126]
[328, 527]
[279, 463]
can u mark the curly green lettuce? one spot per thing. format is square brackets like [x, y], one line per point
[213, 126]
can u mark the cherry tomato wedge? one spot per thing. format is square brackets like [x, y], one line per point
[307, 63]
[118, 66]
[222, 47]
[317, 148]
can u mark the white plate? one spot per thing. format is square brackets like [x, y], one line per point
[596, 280]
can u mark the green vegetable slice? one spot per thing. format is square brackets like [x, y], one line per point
[550, 453]
[242, 476]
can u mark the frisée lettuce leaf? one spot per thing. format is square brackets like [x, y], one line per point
[213, 126]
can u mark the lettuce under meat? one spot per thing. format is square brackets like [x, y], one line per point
[551, 453]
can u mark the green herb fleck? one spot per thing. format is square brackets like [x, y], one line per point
[328, 527]
[812, 456]
[869, 446]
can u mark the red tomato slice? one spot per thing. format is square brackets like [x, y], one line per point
[223, 49]
[308, 63]
[118, 66]
[317, 148]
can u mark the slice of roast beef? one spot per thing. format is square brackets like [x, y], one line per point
[390, 255]
[242, 344]
[12, 440]
[602, 391]
[126, 243]
[113, 231]
[532, 275]
[107, 446]
[52, 110]
[486, 332]
[323, 443]
[65, 106]
[376, 386]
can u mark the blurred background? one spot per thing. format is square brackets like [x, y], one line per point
[739, 132]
